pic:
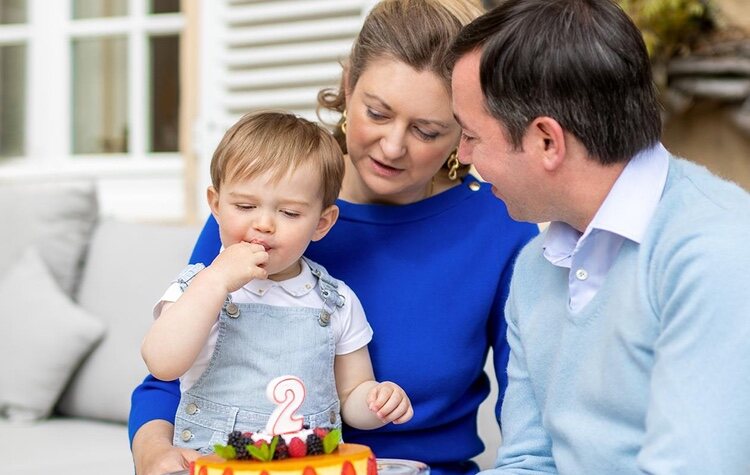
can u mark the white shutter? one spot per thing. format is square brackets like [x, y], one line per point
[268, 54]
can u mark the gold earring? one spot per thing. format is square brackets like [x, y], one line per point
[343, 122]
[453, 165]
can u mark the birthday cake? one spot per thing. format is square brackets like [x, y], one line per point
[306, 452]
[286, 446]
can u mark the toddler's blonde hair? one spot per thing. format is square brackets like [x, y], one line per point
[278, 142]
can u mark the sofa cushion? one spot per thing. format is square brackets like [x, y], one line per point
[57, 218]
[46, 336]
[127, 269]
[64, 446]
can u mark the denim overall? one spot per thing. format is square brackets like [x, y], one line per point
[257, 343]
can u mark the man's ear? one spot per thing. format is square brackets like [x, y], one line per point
[549, 138]
[327, 219]
[212, 196]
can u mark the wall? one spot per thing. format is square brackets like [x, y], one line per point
[705, 134]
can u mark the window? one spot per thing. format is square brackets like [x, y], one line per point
[12, 94]
[97, 95]
[12, 77]
[268, 54]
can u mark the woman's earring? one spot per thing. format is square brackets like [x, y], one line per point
[453, 165]
[343, 122]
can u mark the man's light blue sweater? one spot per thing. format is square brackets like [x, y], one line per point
[652, 376]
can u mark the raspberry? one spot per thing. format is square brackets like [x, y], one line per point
[297, 448]
[260, 443]
[321, 432]
[282, 450]
[314, 445]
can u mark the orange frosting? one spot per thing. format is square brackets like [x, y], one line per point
[348, 459]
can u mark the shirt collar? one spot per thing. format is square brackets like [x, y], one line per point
[297, 286]
[635, 195]
[626, 210]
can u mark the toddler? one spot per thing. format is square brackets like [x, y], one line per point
[261, 310]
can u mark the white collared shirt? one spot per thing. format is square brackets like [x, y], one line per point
[349, 325]
[624, 214]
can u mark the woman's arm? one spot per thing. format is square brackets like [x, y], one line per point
[154, 403]
[153, 452]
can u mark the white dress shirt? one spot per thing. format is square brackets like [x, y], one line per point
[624, 214]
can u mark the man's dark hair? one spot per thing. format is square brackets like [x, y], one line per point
[580, 62]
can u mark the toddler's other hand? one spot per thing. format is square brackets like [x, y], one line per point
[390, 403]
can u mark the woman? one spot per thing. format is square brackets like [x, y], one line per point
[427, 247]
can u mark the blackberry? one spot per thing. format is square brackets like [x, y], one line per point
[282, 450]
[314, 445]
[241, 447]
[238, 440]
[233, 438]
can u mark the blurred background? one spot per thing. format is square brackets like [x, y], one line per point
[134, 94]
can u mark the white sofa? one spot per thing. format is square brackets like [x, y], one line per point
[80, 356]
[74, 348]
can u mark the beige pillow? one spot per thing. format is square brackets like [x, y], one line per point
[45, 337]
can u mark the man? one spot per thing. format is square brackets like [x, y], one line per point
[628, 319]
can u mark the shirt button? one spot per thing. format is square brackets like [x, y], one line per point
[581, 274]
[332, 417]
[474, 186]
[186, 435]
[191, 408]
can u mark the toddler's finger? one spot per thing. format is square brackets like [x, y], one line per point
[382, 393]
[386, 410]
[406, 411]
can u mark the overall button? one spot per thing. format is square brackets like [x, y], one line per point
[332, 417]
[324, 318]
[191, 409]
[233, 310]
[581, 274]
[186, 435]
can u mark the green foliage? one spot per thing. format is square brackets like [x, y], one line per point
[225, 451]
[265, 452]
[331, 441]
[669, 26]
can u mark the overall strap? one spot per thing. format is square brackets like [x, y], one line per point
[189, 272]
[328, 288]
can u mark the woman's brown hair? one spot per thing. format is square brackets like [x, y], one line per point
[418, 33]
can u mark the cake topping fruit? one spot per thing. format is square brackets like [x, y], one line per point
[297, 448]
[263, 447]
